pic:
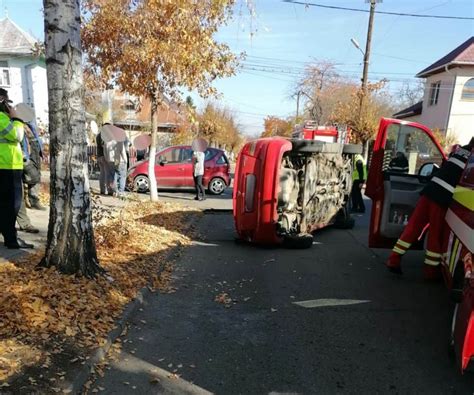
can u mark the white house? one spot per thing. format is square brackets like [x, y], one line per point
[448, 101]
[22, 72]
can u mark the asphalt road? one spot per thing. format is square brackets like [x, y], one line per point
[361, 330]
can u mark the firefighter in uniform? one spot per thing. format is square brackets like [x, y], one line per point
[11, 169]
[431, 210]
[358, 180]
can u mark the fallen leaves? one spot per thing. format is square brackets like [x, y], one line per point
[224, 299]
[37, 305]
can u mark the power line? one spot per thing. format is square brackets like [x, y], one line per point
[307, 4]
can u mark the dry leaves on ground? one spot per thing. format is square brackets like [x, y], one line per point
[41, 308]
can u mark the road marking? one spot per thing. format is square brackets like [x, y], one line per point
[309, 304]
[200, 243]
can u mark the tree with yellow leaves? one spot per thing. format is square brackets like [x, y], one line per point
[275, 126]
[363, 120]
[154, 48]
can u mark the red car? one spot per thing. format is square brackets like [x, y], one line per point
[174, 170]
[286, 188]
[394, 196]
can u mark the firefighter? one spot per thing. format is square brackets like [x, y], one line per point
[358, 180]
[11, 169]
[431, 210]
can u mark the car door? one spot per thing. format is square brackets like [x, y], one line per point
[169, 168]
[404, 155]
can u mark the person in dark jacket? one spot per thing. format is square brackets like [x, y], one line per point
[431, 210]
[358, 181]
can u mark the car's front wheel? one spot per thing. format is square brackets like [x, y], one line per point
[217, 186]
[141, 183]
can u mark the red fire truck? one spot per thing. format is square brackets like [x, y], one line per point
[394, 196]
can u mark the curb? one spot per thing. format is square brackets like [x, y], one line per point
[84, 372]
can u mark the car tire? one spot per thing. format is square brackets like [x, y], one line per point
[298, 242]
[141, 184]
[216, 186]
[352, 149]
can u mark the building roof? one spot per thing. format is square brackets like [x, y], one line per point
[14, 40]
[462, 55]
[411, 111]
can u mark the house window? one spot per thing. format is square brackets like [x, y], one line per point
[4, 73]
[468, 90]
[434, 93]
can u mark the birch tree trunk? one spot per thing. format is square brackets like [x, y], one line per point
[70, 245]
[154, 142]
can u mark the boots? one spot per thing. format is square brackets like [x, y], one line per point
[394, 263]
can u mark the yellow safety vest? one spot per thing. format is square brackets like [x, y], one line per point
[11, 135]
[355, 172]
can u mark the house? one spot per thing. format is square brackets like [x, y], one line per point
[22, 69]
[133, 114]
[448, 101]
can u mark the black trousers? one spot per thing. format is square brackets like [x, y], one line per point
[357, 201]
[200, 193]
[11, 195]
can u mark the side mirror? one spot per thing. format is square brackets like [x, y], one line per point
[162, 160]
[427, 169]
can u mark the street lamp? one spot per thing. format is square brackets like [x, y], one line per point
[356, 44]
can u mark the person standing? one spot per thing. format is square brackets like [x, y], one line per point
[33, 152]
[198, 172]
[103, 166]
[358, 180]
[431, 210]
[120, 166]
[11, 170]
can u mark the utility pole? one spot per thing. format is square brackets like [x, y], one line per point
[298, 104]
[367, 46]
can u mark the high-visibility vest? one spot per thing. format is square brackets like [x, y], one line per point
[11, 134]
[355, 172]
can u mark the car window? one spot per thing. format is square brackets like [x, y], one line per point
[222, 160]
[187, 155]
[209, 154]
[408, 148]
[172, 155]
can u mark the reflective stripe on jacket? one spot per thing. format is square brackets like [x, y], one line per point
[11, 134]
[355, 173]
[441, 187]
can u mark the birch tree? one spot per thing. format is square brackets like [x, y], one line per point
[154, 48]
[70, 244]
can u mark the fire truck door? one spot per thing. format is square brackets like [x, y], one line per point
[405, 154]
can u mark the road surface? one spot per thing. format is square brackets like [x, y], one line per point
[325, 320]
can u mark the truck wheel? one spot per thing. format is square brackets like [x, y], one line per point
[298, 242]
[352, 149]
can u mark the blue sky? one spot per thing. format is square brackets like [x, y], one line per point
[287, 36]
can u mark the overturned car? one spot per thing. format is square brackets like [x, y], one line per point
[285, 189]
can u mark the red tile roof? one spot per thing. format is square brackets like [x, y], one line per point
[462, 55]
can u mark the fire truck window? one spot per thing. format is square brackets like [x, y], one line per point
[407, 149]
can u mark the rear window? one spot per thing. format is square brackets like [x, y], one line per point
[222, 160]
[210, 153]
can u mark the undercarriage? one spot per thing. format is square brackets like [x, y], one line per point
[314, 189]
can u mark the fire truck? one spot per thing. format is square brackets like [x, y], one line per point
[394, 196]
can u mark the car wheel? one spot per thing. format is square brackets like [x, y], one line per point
[217, 186]
[141, 184]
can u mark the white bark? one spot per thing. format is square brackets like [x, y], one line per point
[152, 157]
[70, 245]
